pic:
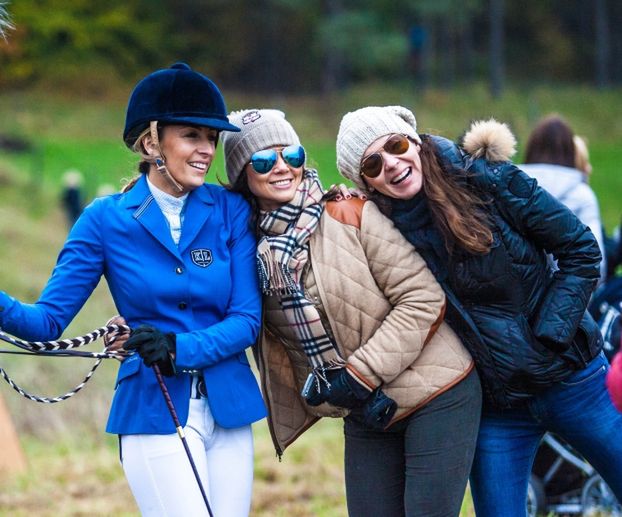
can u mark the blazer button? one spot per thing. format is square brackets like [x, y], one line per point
[179, 270]
[182, 305]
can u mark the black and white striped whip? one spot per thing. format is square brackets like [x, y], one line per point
[64, 348]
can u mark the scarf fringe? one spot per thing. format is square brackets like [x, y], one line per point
[275, 278]
[319, 372]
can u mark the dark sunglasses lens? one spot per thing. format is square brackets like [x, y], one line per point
[397, 144]
[372, 165]
[294, 155]
[263, 161]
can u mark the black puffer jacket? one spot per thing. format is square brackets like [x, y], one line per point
[525, 324]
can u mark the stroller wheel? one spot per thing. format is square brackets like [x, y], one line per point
[535, 496]
[597, 498]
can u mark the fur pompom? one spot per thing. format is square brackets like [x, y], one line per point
[490, 139]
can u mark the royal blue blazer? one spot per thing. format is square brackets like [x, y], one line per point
[204, 289]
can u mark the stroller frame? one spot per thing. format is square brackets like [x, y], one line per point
[563, 483]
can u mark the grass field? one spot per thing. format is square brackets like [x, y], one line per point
[73, 466]
[85, 133]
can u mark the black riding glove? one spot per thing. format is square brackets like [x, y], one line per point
[340, 389]
[154, 347]
[376, 412]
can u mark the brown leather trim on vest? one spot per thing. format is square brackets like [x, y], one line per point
[436, 324]
[434, 395]
[348, 212]
[360, 377]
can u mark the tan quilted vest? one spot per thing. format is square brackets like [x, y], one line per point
[384, 309]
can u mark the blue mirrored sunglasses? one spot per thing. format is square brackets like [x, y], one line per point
[263, 161]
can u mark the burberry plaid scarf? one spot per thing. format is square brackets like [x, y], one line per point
[282, 254]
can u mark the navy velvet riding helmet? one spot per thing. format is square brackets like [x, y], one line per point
[175, 95]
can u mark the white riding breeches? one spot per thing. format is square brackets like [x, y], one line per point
[161, 478]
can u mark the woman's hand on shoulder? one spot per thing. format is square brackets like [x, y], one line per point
[342, 192]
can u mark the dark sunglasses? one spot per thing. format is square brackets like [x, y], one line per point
[371, 166]
[263, 161]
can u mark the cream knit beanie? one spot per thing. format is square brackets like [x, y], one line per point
[260, 129]
[360, 128]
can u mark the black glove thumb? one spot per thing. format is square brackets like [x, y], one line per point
[154, 347]
[377, 411]
[139, 336]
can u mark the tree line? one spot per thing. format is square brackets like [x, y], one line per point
[316, 45]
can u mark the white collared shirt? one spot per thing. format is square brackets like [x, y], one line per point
[172, 207]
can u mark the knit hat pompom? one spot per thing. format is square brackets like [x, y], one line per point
[260, 129]
[360, 128]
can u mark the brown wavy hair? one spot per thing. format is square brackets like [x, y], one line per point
[459, 214]
[551, 141]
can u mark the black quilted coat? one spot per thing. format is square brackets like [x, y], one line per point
[524, 322]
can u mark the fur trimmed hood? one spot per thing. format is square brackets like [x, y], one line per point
[491, 140]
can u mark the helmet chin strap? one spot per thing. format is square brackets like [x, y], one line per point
[159, 160]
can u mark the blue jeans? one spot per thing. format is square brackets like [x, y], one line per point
[578, 409]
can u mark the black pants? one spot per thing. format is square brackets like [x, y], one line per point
[420, 465]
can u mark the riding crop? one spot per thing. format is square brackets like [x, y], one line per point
[181, 434]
